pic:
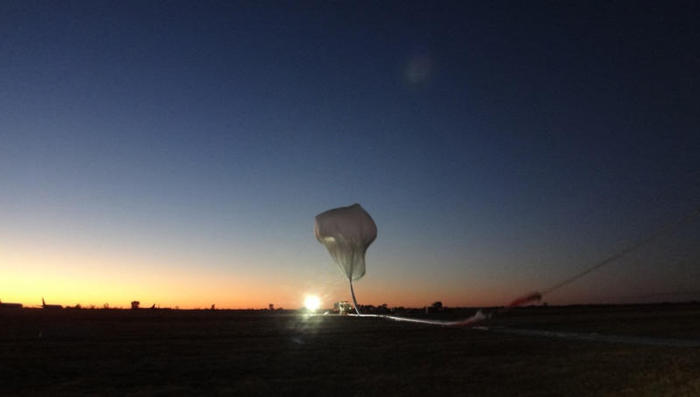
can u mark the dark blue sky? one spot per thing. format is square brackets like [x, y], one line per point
[499, 146]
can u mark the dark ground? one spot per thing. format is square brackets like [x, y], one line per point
[121, 352]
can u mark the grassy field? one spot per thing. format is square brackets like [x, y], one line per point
[144, 352]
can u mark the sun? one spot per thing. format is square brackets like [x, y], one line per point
[312, 303]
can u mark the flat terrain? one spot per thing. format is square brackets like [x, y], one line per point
[121, 352]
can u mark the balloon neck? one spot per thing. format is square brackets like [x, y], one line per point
[354, 300]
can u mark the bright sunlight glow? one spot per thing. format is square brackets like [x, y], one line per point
[312, 302]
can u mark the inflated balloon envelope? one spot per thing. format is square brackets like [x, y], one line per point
[347, 232]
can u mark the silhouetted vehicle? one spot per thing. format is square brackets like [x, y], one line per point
[49, 307]
[342, 307]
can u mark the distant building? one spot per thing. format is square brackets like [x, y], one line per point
[10, 305]
[434, 308]
[135, 305]
[271, 307]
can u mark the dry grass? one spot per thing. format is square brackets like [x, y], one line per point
[245, 353]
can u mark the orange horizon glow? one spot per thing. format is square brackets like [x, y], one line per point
[71, 280]
[74, 279]
[181, 291]
[93, 276]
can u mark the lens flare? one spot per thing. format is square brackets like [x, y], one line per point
[312, 302]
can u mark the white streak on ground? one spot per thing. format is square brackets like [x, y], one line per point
[479, 316]
[580, 336]
[594, 337]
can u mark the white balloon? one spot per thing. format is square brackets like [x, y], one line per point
[346, 232]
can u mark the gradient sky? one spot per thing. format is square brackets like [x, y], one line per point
[177, 152]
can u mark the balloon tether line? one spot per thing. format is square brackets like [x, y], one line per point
[478, 317]
[633, 247]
